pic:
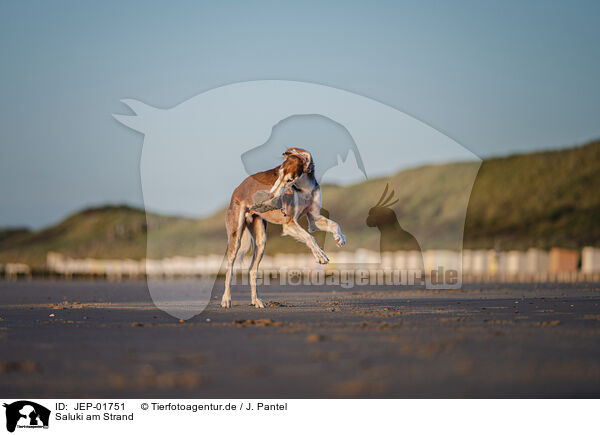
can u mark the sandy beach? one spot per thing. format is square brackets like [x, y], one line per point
[108, 340]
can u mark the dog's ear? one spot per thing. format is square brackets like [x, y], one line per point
[306, 157]
[308, 162]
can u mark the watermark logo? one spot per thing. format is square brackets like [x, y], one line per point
[25, 414]
[195, 154]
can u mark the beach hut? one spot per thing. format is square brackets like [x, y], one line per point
[590, 260]
[538, 261]
[563, 260]
[516, 262]
[13, 270]
[444, 259]
[467, 261]
[388, 260]
[414, 260]
[479, 262]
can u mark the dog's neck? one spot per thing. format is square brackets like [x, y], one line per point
[306, 182]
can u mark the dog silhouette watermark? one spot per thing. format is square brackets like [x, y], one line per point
[197, 152]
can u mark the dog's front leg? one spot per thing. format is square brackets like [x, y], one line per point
[293, 229]
[322, 223]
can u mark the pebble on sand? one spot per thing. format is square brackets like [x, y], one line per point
[315, 338]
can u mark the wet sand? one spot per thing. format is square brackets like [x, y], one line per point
[108, 340]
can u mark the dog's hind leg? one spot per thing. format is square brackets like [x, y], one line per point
[258, 230]
[235, 223]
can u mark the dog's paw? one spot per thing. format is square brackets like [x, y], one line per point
[226, 302]
[321, 257]
[258, 303]
[340, 239]
[264, 203]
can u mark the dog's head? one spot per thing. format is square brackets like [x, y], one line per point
[296, 162]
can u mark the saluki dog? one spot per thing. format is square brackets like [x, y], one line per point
[294, 188]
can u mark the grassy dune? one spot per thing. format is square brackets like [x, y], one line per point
[541, 200]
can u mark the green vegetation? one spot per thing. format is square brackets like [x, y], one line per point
[540, 200]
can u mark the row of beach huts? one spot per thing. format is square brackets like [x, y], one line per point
[533, 264]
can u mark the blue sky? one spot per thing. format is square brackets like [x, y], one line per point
[498, 77]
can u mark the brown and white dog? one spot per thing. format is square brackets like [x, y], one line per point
[295, 184]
